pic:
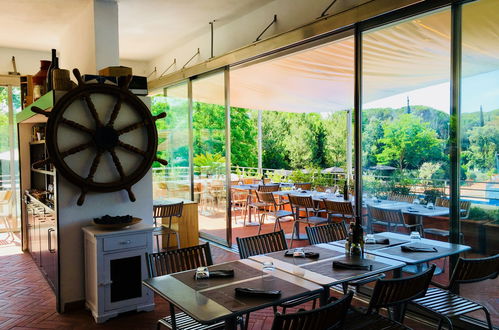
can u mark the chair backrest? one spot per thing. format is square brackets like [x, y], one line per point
[5, 195]
[335, 207]
[388, 293]
[474, 270]
[269, 188]
[298, 201]
[172, 261]
[463, 205]
[168, 210]
[330, 316]
[385, 215]
[304, 186]
[443, 202]
[261, 244]
[401, 198]
[266, 197]
[327, 233]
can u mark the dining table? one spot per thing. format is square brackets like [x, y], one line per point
[322, 270]
[213, 300]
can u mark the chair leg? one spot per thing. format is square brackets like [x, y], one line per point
[246, 323]
[157, 242]
[158, 326]
[178, 239]
[293, 234]
[487, 316]
[172, 315]
[440, 324]
[344, 285]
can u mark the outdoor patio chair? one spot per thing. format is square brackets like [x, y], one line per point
[401, 198]
[272, 209]
[336, 232]
[269, 187]
[388, 294]
[336, 209]
[267, 243]
[239, 204]
[443, 202]
[390, 219]
[306, 205]
[330, 316]
[441, 302]
[166, 211]
[304, 186]
[164, 263]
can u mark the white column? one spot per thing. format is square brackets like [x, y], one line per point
[106, 33]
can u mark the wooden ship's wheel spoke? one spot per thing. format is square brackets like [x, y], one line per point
[77, 126]
[75, 150]
[94, 166]
[116, 111]
[117, 164]
[131, 127]
[92, 109]
[131, 148]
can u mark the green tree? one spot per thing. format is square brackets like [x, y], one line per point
[243, 137]
[484, 146]
[408, 142]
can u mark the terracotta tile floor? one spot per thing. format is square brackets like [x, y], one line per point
[26, 301]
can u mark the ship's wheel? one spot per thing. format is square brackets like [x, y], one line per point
[103, 135]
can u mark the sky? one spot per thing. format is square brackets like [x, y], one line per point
[482, 89]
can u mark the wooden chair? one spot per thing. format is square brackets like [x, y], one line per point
[166, 211]
[336, 232]
[269, 187]
[272, 209]
[267, 243]
[390, 219]
[443, 202]
[330, 316]
[304, 186]
[327, 233]
[307, 205]
[261, 244]
[444, 304]
[401, 198]
[387, 294]
[164, 263]
[339, 209]
[239, 203]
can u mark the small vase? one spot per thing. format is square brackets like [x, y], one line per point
[40, 79]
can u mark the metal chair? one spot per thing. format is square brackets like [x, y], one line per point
[164, 263]
[444, 304]
[330, 316]
[443, 202]
[389, 218]
[339, 209]
[387, 294]
[307, 205]
[272, 209]
[239, 203]
[166, 211]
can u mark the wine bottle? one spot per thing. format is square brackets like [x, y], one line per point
[49, 71]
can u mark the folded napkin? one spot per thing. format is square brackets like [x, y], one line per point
[252, 292]
[353, 266]
[311, 255]
[384, 241]
[220, 273]
[406, 248]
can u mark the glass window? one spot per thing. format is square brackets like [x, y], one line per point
[480, 142]
[173, 180]
[405, 129]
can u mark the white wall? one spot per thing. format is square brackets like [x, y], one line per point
[244, 30]
[77, 42]
[139, 68]
[27, 61]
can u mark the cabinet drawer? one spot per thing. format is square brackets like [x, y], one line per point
[124, 242]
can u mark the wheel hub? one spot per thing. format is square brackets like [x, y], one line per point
[106, 138]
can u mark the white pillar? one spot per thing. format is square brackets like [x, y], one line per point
[107, 50]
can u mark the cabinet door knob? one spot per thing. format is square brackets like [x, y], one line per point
[126, 242]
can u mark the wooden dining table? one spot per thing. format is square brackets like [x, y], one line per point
[213, 300]
[321, 271]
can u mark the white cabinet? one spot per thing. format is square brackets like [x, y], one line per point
[115, 266]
